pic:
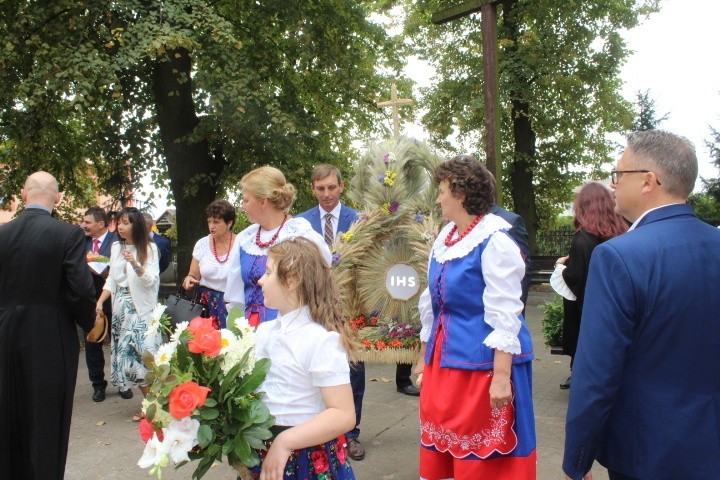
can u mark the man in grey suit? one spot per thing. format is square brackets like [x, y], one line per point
[45, 289]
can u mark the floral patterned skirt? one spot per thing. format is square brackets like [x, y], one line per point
[214, 302]
[321, 462]
[129, 342]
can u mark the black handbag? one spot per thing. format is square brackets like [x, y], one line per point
[182, 309]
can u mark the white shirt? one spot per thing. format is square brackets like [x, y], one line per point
[294, 227]
[213, 274]
[335, 220]
[304, 358]
[143, 290]
[503, 269]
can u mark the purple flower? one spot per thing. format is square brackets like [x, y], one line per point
[386, 158]
[419, 217]
[381, 178]
[335, 259]
[394, 207]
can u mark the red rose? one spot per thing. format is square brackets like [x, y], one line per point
[146, 430]
[320, 462]
[206, 339]
[186, 397]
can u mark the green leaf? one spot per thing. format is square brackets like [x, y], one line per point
[205, 436]
[209, 413]
[242, 449]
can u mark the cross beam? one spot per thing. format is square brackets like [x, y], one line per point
[458, 11]
[488, 25]
[395, 103]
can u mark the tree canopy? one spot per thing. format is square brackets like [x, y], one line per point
[195, 91]
[559, 65]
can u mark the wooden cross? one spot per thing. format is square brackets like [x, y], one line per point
[488, 26]
[395, 103]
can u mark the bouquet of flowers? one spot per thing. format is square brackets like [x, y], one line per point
[202, 403]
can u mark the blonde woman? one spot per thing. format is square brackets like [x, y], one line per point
[266, 199]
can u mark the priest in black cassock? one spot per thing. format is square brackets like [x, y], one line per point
[45, 289]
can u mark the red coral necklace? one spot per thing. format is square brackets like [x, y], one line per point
[227, 255]
[449, 242]
[269, 243]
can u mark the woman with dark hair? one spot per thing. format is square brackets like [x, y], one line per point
[595, 221]
[476, 344]
[267, 198]
[133, 282]
[209, 265]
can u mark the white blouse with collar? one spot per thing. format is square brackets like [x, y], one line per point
[503, 269]
[294, 227]
[304, 358]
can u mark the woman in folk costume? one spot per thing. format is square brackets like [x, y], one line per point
[476, 412]
[266, 199]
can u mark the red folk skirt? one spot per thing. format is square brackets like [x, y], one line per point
[462, 438]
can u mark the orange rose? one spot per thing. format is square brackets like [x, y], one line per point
[367, 343]
[396, 344]
[381, 345]
[206, 339]
[186, 397]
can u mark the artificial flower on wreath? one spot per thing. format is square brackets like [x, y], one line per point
[202, 404]
[377, 335]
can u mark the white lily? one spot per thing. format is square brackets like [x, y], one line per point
[155, 454]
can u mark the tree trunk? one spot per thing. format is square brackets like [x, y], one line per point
[522, 189]
[185, 160]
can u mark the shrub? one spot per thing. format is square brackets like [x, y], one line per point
[552, 321]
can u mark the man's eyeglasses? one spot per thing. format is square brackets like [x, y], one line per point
[615, 175]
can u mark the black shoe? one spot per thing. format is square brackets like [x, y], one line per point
[355, 450]
[566, 384]
[126, 394]
[99, 394]
[411, 390]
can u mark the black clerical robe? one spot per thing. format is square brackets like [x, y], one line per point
[45, 288]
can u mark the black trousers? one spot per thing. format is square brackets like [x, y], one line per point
[402, 375]
[95, 359]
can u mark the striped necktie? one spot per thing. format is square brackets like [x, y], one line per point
[328, 232]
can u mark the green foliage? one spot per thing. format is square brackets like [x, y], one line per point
[559, 65]
[706, 207]
[712, 185]
[552, 321]
[646, 118]
[195, 91]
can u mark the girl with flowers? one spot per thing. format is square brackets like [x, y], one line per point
[307, 388]
[133, 283]
[266, 199]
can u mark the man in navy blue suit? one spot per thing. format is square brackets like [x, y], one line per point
[162, 243]
[98, 240]
[330, 218]
[645, 395]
